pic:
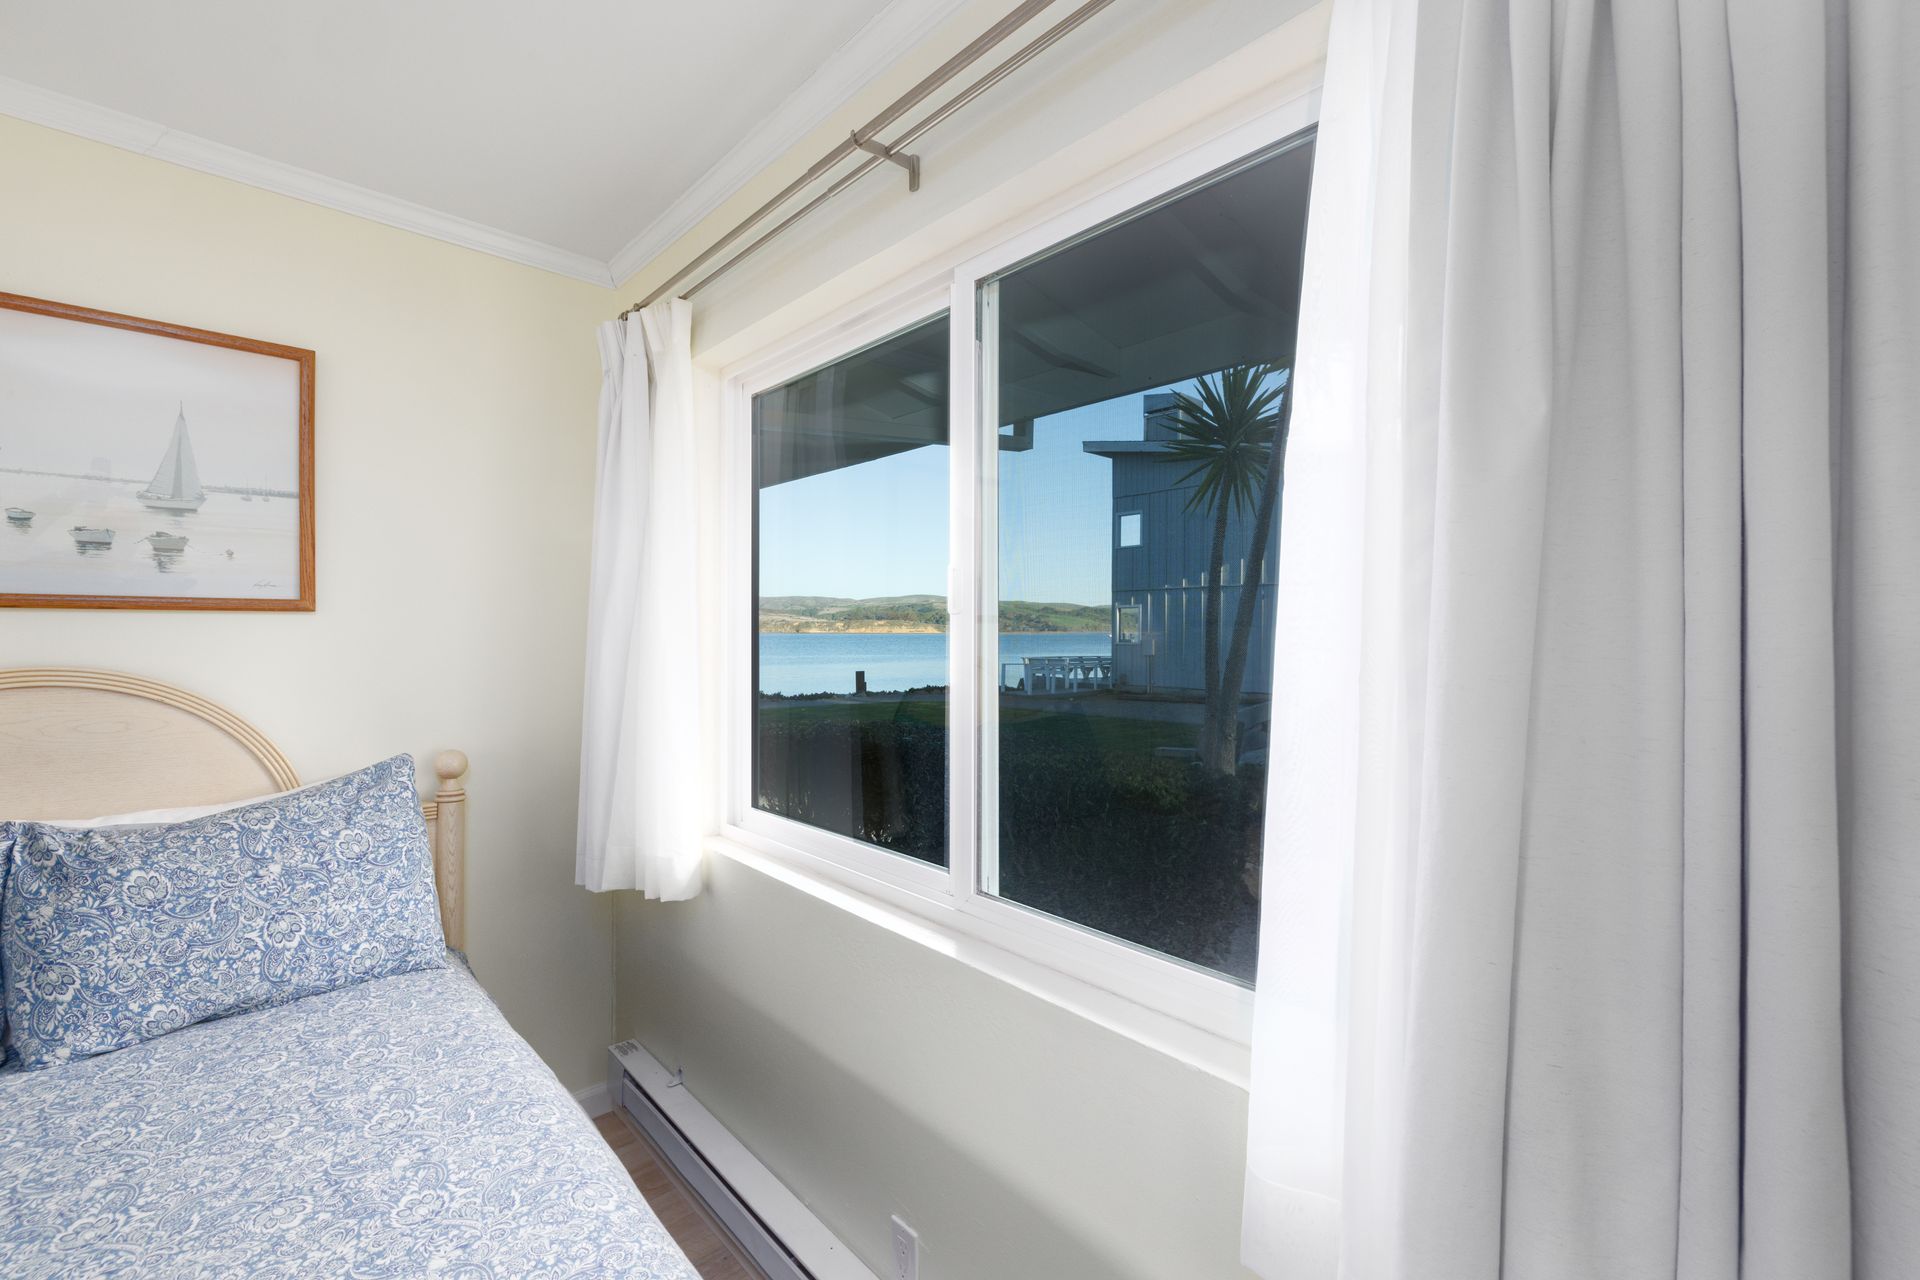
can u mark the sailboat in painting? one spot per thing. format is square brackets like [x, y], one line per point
[176, 485]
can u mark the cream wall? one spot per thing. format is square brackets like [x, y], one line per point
[454, 440]
[872, 1073]
[876, 1076]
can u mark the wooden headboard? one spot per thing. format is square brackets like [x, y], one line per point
[80, 744]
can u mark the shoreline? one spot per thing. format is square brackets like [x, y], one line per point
[918, 631]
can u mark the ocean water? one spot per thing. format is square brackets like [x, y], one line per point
[263, 536]
[825, 663]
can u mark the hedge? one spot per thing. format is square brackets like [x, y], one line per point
[1093, 826]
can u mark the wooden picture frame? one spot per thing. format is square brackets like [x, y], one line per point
[174, 498]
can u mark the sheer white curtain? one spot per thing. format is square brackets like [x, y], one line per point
[643, 796]
[1600, 610]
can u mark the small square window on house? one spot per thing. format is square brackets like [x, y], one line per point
[1126, 624]
[1130, 529]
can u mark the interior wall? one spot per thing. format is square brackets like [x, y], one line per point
[454, 441]
[876, 1076]
[872, 1073]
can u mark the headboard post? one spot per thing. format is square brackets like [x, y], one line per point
[450, 846]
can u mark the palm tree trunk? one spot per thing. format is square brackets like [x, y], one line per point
[1234, 674]
[1215, 606]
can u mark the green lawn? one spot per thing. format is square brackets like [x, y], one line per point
[1109, 734]
[1037, 725]
[799, 714]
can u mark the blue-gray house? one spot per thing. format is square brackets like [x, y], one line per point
[1160, 552]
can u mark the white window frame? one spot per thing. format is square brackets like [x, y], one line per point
[741, 820]
[1139, 519]
[1196, 1014]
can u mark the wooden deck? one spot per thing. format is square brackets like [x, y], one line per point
[705, 1242]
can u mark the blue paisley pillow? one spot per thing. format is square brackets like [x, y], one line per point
[6, 855]
[113, 935]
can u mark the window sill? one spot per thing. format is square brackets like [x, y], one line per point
[1033, 954]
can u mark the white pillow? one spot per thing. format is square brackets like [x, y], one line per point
[153, 817]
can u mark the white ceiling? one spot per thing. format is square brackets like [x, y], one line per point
[575, 134]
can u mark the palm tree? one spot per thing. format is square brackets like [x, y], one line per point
[1234, 432]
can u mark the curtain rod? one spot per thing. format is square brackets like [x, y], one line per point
[864, 139]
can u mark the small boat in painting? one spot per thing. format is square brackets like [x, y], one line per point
[168, 542]
[88, 536]
[19, 515]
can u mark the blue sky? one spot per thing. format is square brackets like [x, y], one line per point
[880, 528]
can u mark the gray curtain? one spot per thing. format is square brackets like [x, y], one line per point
[1633, 962]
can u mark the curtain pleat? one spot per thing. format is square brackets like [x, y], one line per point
[1877, 621]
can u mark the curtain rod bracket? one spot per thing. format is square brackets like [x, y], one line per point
[908, 162]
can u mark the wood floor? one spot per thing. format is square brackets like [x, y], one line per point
[711, 1249]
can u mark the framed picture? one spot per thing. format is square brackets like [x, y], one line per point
[150, 466]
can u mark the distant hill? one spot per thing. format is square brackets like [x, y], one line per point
[915, 614]
[1021, 615]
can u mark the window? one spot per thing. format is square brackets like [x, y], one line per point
[1023, 678]
[1151, 359]
[850, 570]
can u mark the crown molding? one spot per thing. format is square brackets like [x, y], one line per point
[886, 38]
[116, 128]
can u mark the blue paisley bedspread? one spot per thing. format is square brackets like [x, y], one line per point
[391, 1130]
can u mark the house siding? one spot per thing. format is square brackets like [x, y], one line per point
[1165, 576]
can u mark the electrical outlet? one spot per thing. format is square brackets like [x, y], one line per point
[906, 1251]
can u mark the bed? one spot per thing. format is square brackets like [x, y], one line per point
[393, 1127]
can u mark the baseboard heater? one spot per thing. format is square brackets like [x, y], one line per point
[773, 1227]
